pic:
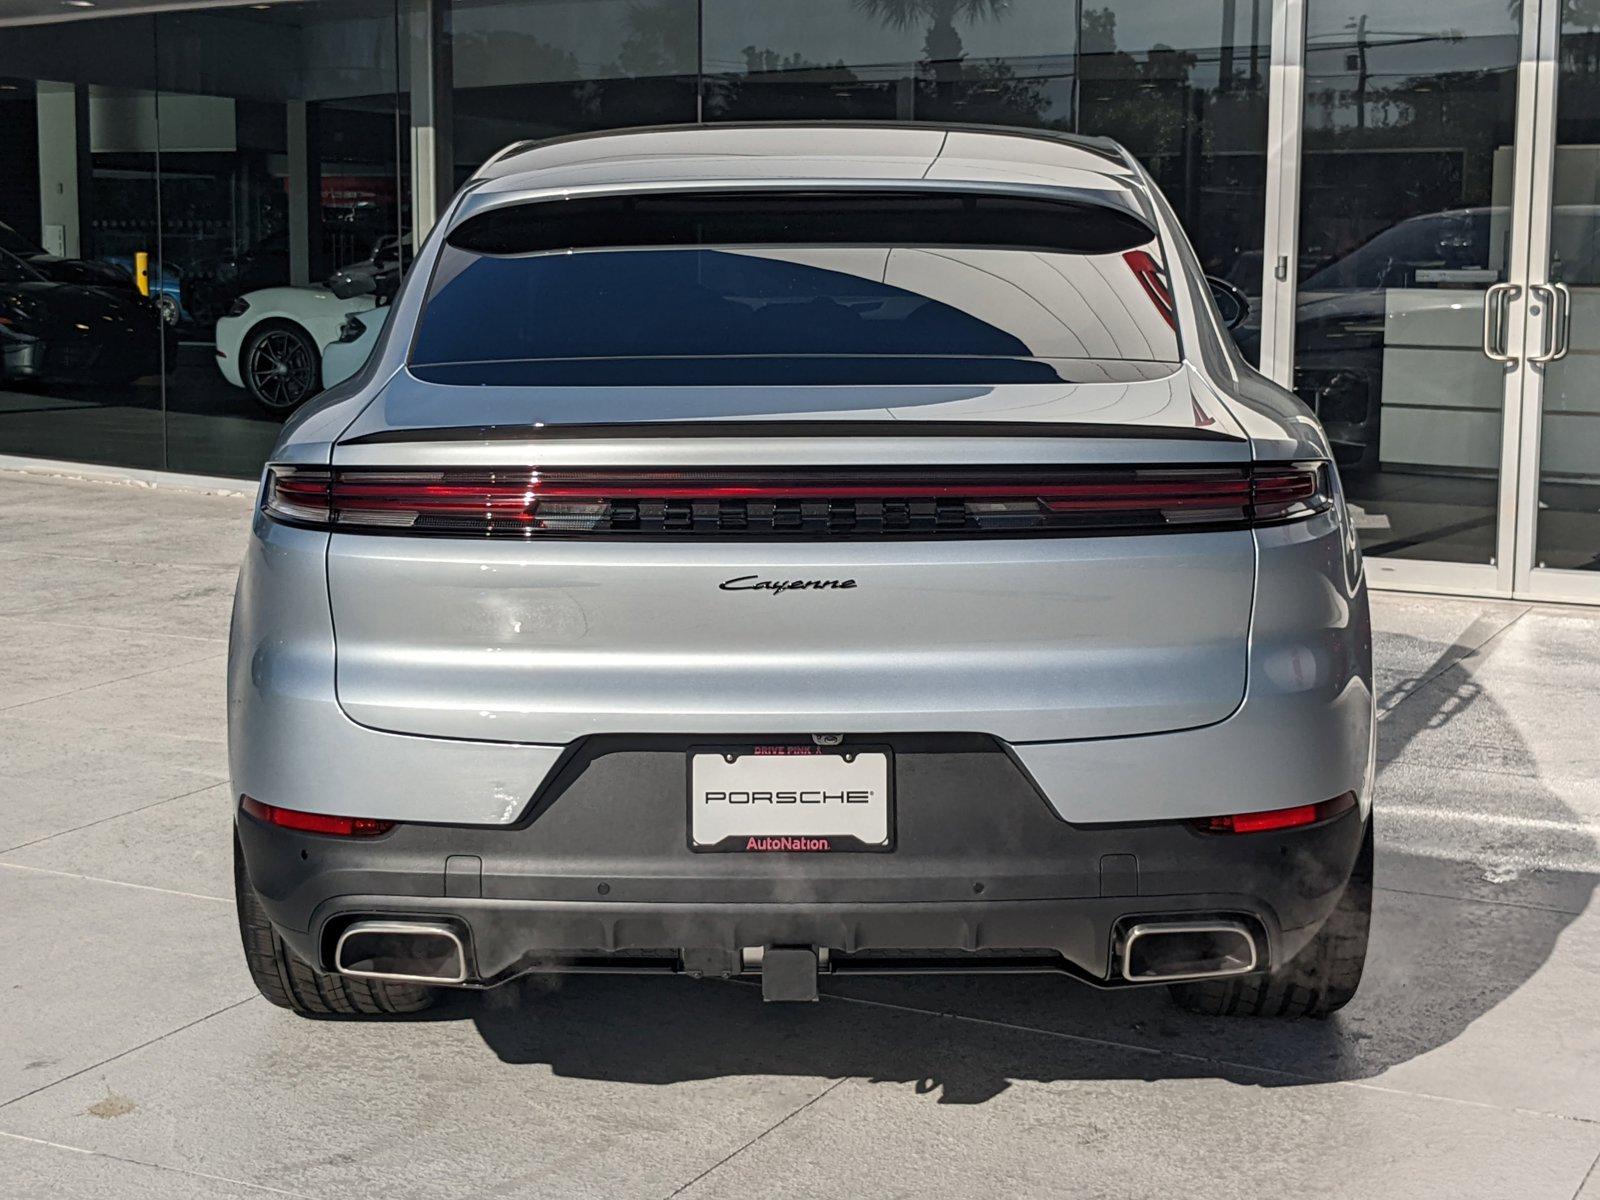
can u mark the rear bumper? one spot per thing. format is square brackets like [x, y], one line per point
[985, 875]
[1302, 734]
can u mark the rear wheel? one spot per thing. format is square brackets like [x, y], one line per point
[282, 369]
[288, 981]
[1318, 981]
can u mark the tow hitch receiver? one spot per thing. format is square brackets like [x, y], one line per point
[789, 973]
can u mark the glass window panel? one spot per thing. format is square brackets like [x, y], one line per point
[804, 304]
[542, 68]
[81, 350]
[795, 288]
[1405, 221]
[1182, 86]
[280, 132]
[1568, 519]
[282, 135]
[971, 60]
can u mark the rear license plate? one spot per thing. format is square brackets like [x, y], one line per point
[790, 799]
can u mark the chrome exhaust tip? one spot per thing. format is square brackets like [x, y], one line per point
[1173, 951]
[401, 952]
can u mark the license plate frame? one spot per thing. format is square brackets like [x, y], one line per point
[847, 835]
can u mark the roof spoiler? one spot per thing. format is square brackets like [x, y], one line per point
[1108, 147]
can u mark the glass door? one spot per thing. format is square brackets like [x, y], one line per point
[1412, 293]
[1558, 500]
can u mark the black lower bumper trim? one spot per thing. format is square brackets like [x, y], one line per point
[511, 938]
[597, 875]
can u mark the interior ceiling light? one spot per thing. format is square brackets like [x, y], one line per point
[79, 3]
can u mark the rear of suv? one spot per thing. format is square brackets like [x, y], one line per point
[800, 550]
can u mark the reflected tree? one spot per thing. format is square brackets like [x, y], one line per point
[949, 87]
[481, 55]
[942, 47]
[659, 40]
[790, 87]
[1573, 12]
[1194, 134]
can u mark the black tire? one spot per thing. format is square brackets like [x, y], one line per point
[1318, 981]
[280, 366]
[288, 981]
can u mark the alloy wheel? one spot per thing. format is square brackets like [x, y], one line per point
[281, 369]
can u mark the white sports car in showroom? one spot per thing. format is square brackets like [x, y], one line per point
[283, 345]
[349, 353]
[272, 341]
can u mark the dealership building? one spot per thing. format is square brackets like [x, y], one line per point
[1408, 192]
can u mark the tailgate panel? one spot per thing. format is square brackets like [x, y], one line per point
[1026, 639]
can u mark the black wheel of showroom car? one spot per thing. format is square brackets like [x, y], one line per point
[288, 981]
[1318, 981]
[281, 368]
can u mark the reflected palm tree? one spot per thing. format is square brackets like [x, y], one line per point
[942, 47]
[1573, 12]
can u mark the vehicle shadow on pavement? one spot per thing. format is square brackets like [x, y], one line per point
[1452, 939]
[966, 1039]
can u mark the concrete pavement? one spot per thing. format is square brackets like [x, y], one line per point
[136, 1059]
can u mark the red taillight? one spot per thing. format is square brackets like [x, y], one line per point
[1278, 493]
[308, 822]
[525, 502]
[1280, 818]
[298, 494]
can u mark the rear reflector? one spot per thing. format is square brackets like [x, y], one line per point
[308, 822]
[1280, 818]
[522, 502]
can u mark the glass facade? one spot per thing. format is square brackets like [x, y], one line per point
[179, 186]
[1405, 222]
[163, 171]
[1182, 86]
[236, 156]
[79, 207]
[1567, 533]
[551, 67]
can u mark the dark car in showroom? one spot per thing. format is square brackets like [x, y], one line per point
[61, 269]
[66, 333]
[1345, 314]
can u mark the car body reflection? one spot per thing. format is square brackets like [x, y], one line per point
[66, 333]
[61, 269]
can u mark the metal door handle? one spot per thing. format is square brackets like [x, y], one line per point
[1557, 324]
[1496, 300]
[1564, 325]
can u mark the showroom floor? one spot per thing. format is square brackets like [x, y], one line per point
[209, 426]
[137, 1061]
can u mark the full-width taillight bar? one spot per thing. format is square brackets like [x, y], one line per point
[527, 502]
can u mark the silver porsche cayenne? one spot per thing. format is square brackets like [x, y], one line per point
[791, 550]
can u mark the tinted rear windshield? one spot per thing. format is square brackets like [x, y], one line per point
[795, 288]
